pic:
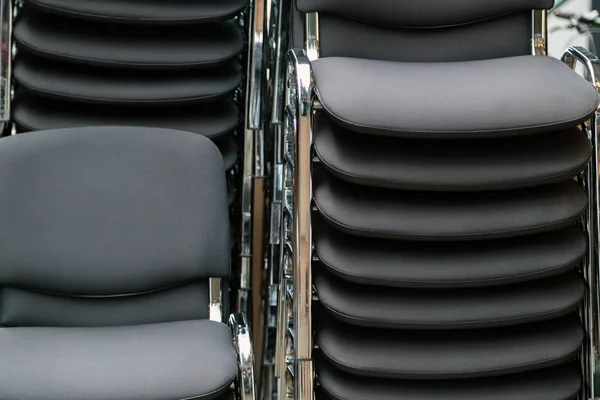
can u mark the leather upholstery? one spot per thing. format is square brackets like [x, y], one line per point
[421, 14]
[178, 360]
[448, 100]
[145, 11]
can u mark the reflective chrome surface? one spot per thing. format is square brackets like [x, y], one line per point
[243, 345]
[573, 57]
[253, 151]
[300, 71]
[6, 55]
[312, 36]
[215, 304]
[539, 32]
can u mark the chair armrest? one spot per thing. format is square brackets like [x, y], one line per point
[242, 342]
[590, 62]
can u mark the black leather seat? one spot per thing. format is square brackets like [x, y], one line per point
[111, 239]
[106, 63]
[446, 201]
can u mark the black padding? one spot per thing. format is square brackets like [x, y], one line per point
[145, 11]
[506, 36]
[404, 99]
[394, 263]
[456, 165]
[177, 360]
[388, 353]
[421, 14]
[229, 150]
[128, 46]
[385, 307]
[211, 119]
[447, 216]
[111, 211]
[558, 383]
[180, 303]
[97, 85]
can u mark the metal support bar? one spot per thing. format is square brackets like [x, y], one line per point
[590, 356]
[6, 55]
[312, 36]
[243, 345]
[215, 304]
[539, 32]
[300, 71]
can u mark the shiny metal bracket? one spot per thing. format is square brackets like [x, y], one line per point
[245, 383]
[590, 357]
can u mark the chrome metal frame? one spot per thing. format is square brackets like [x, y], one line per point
[300, 78]
[253, 152]
[539, 32]
[215, 302]
[242, 340]
[6, 56]
[590, 357]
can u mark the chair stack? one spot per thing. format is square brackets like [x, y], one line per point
[447, 240]
[144, 63]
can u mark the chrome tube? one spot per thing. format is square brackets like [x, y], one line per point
[6, 55]
[215, 303]
[301, 73]
[242, 341]
[539, 32]
[311, 31]
[590, 355]
[253, 152]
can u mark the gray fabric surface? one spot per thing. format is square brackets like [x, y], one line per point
[150, 11]
[92, 85]
[128, 46]
[107, 211]
[26, 308]
[440, 309]
[450, 165]
[491, 97]
[559, 383]
[429, 13]
[387, 353]
[447, 216]
[171, 361]
[501, 37]
[211, 120]
[403, 264]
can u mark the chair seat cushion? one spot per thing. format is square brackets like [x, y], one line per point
[99, 85]
[450, 165]
[448, 216]
[395, 263]
[504, 96]
[389, 353]
[150, 11]
[137, 47]
[38, 113]
[558, 383]
[385, 307]
[170, 361]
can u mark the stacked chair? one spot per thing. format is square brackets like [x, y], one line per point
[122, 197]
[440, 182]
[178, 65]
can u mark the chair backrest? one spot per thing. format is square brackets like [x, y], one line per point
[110, 226]
[425, 30]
